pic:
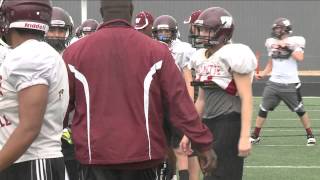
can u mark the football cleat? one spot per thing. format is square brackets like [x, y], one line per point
[254, 139]
[311, 141]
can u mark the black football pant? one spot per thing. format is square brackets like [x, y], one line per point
[40, 169]
[103, 173]
[226, 133]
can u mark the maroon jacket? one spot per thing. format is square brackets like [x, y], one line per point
[121, 81]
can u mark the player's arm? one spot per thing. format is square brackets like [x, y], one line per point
[298, 55]
[32, 105]
[200, 103]
[296, 44]
[183, 114]
[244, 87]
[188, 78]
[265, 71]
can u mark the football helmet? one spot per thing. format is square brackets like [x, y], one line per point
[61, 21]
[89, 26]
[281, 26]
[194, 16]
[25, 14]
[165, 22]
[142, 20]
[213, 27]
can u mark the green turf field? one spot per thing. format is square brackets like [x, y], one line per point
[282, 153]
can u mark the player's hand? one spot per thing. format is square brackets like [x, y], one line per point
[208, 161]
[244, 147]
[258, 76]
[185, 145]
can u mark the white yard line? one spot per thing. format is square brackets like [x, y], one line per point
[283, 167]
[287, 110]
[305, 97]
[273, 119]
[288, 130]
[278, 145]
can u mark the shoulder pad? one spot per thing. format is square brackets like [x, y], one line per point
[297, 41]
[239, 57]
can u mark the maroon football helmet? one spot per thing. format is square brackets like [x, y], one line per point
[62, 21]
[218, 22]
[281, 26]
[165, 22]
[143, 19]
[89, 26]
[25, 14]
[192, 18]
[61, 18]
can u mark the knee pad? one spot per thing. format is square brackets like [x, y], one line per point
[263, 114]
[300, 114]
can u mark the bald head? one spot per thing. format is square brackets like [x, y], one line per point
[116, 9]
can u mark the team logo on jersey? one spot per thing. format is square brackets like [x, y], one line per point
[208, 71]
[61, 93]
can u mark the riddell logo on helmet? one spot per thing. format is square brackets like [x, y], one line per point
[35, 26]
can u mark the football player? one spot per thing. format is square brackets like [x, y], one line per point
[60, 29]
[144, 22]
[165, 29]
[224, 74]
[33, 94]
[284, 52]
[88, 26]
[193, 163]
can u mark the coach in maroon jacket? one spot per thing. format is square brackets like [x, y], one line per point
[121, 82]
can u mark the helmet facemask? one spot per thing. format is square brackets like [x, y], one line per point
[192, 33]
[208, 37]
[279, 31]
[59, 44]
[165, 35]
[60, 37]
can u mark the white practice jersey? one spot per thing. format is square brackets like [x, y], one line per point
[4, 49]
[181, 52]
[285, 70]
[29, 64]
[218, 67]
